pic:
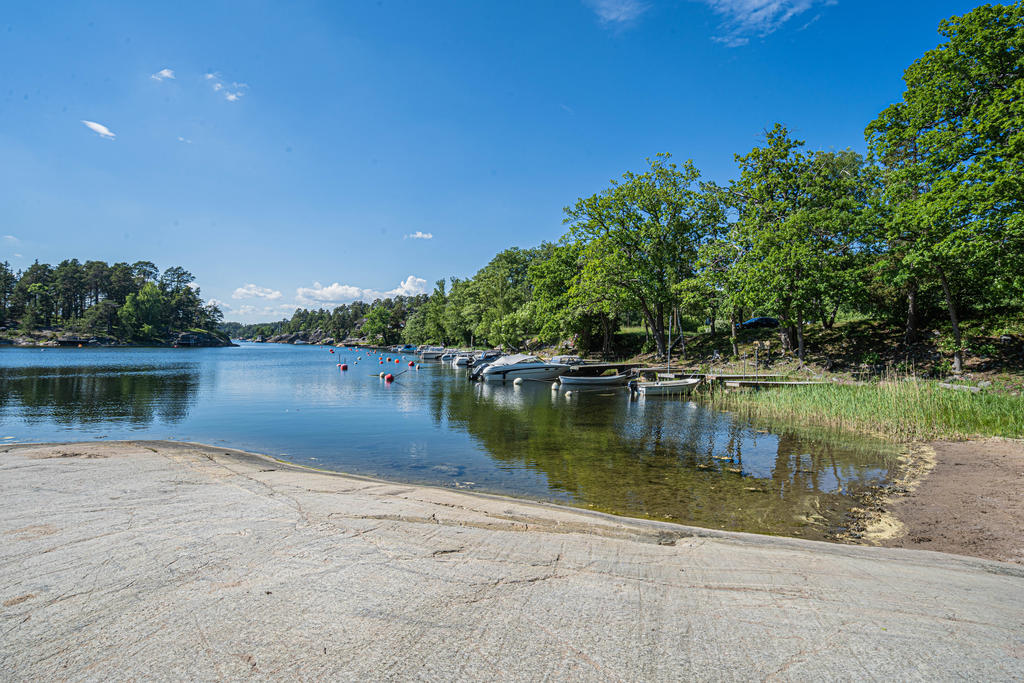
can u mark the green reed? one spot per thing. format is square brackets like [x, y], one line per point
[907, 410]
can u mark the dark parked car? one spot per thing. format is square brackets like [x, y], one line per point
[759, 322]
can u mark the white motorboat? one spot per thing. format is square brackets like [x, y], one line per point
[463, 360]
[521, 365]
[674, 387]
[432, 353]
[601, 381]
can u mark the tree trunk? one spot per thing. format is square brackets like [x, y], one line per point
[682, 339]
[656, 323]
[732, 335]
[606, 328]
[958, 355]
[910, 331]
[800, 338]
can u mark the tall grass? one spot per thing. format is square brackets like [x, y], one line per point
[905, 410]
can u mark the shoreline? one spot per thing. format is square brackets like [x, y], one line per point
[913, 511]
[153, 559]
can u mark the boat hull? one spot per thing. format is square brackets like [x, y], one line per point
[672, 388]
[510, 373]
[612, 381]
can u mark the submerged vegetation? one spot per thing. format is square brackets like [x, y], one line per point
[905, 410]
[924, 237]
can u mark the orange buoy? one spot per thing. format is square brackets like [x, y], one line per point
[397, 361]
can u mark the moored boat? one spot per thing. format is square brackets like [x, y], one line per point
[675, 387]
[521, 365]
[600, 381]
[432, 353]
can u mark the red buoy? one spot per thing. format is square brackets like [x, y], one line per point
[411, 364]
[397, 361]
[380, 363]
[344, 366]
[389, 377]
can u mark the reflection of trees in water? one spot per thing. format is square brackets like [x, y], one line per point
[659, 458]
[88, 395]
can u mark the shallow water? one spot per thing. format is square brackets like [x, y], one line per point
[658, 457]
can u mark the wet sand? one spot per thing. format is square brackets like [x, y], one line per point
[155, 560]
[970, 503]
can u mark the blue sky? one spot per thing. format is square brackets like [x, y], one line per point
[309, 153]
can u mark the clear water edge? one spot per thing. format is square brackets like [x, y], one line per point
[658, 458]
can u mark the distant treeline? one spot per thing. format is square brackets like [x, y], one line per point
[127, 301]
[928, 230]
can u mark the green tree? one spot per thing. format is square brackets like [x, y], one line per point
[641, 236]
[8, 280]
[799, 218]
[69, 289]
[953, 151]
[145, 313]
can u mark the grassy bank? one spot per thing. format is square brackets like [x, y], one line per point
[902, 410]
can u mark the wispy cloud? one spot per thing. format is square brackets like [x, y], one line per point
[617, 12]
[418, 235]
[100, 129]
[742, 19]
[185, 140]
[335, 294]
[232, 91]
[163, 74]
[11, 239]
[251, 291]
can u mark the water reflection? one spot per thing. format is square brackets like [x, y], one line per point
[667, 459]
[661, 458]
[80, 395]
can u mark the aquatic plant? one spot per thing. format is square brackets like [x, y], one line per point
[904, 409]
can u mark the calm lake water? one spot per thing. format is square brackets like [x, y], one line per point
[656, 457]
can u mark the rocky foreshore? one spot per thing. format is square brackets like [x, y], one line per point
[44, 339]
[180, 561]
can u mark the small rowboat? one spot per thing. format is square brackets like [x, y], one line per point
[677, 387]
[603, 381]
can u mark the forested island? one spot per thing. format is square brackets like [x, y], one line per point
[911, 257]
[98, 303]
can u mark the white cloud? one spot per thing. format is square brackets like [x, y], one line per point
[617, 12]
[742, 19]
[100, 129]
[232, 92]
[11, 239]
[253, 291]
[185, 140]
[335, 294]
[219, 304]
[418, 235]
[162, 74]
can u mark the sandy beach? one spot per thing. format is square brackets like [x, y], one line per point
[162, 560]
[970, 501]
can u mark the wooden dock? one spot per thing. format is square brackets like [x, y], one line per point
[769, 384]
